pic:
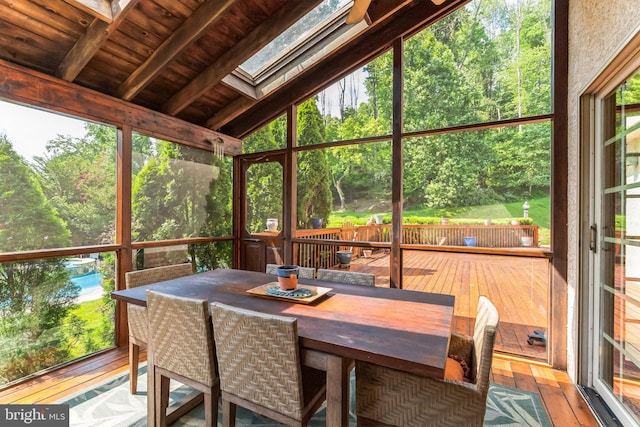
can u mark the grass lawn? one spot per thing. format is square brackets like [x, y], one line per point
[502, 213]
[91, 314]
[539, 212]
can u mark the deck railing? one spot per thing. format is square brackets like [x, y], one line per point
[484, 236]
[319, 255]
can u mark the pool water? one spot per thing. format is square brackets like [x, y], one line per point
[88, 283]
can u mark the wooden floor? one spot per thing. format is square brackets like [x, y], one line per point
[563, 402]
[518, 286]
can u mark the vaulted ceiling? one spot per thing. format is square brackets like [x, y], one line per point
[182, 57]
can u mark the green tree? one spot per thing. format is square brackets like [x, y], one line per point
[28, 221]
[524, 169]
[218, 221]
[441, 171]
[35, 296]
[314, 176]
[183, 192]
[360, 169]
[78, 176]
[169, 193]
[487, 61]
[264, 180]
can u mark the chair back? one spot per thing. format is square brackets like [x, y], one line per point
[484, 337]
[350, 277]
[157, 274]
[180, 335]
[258, 358]
[305, 272]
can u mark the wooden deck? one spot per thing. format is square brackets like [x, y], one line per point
[562, 400]
[518, 286]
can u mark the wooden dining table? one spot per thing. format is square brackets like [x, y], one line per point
[401, 329]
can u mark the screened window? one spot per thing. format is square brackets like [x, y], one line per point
[178, 191]
[57, 181]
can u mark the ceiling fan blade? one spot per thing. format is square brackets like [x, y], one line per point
[358, 10]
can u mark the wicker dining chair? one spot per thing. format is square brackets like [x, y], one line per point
[305, 272]
[350, 277]
[182, 344]
[260, 367]
[399, 398]
[137, 316]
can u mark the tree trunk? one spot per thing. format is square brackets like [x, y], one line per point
[338, 187]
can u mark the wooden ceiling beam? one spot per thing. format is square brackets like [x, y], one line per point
[28, 87]
[229, 112]
[99, 9]
[339, 63]
[380, 10]
[190, 30]
[259, 37]
[95, 36]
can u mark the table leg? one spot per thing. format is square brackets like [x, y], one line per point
[151, 385]
[151, 390]
[338, 391]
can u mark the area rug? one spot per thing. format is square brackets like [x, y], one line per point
[110, 404]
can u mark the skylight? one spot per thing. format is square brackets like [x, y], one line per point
[297, 33]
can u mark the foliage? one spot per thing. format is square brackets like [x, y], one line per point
[181, 192]
[184, 192]
[490, 60]
[487, 61]
[84, 327]
[28, 221]
[264, 183]
[78, 176]
[313, 183]
[218, 221]
[35, 296]
[107, 309]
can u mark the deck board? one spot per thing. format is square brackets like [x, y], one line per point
[518, 286]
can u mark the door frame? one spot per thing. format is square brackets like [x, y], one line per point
[591, 134]
[243, 237]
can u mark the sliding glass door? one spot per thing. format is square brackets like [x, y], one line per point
[616, 253]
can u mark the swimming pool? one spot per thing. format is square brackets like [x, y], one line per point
[88, 283]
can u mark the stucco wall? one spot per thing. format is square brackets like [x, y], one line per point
[598, 30]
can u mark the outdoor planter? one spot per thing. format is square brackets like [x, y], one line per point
[288, 277]
[470, 241]
[316, 222]
[526, 241]
[344, 258]
[378, 218]
[272, 224]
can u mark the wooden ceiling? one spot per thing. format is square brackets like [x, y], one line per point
[181, 57]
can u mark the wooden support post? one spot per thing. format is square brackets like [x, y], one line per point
[395, 260]
[290, 201]
[123, 225]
